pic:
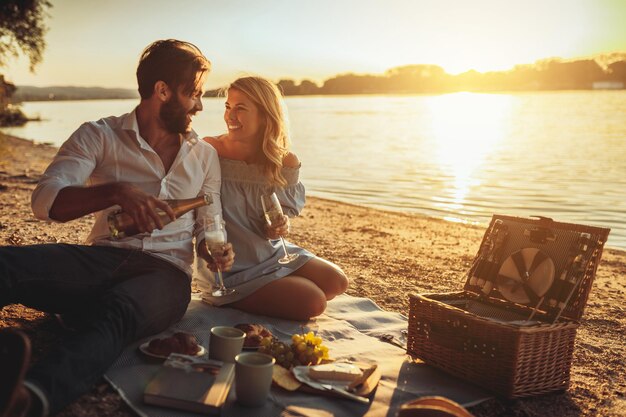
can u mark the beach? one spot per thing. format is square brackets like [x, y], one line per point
[386, 255]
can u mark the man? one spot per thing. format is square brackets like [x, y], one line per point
[120, 290]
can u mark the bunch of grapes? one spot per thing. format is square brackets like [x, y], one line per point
[279, 350]
[308, 348]
[305, 349]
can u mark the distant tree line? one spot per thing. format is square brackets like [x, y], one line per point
[552, 74]
[30, 93]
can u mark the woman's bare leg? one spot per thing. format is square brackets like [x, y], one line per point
[299, 296]
[291, 297]
[326, 275]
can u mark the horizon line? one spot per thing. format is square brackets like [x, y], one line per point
[604, 56]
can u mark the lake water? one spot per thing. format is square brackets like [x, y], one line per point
[461, 156]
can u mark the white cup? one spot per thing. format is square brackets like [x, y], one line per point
[225, 343]
[253, 378]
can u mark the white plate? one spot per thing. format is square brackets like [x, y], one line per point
[144, 349]
[302, 374]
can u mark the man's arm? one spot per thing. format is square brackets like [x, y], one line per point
[62, 193]
[73, 202]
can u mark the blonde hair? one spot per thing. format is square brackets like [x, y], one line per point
[275, 145]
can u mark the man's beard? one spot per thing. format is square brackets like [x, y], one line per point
[174, 116]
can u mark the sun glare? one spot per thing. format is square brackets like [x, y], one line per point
[465, 127]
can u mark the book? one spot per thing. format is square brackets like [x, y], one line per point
[191, 384]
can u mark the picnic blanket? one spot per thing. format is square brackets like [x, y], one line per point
[350, 327]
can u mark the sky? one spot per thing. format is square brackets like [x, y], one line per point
[98, 43]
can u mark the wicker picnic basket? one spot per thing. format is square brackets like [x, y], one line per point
[512, 329]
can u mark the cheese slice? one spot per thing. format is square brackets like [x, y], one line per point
[336, 371]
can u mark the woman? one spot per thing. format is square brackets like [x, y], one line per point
[255, 160]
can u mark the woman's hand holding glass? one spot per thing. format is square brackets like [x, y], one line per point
[221, 260]
[217, 252]
[276, 223]
[278, 228]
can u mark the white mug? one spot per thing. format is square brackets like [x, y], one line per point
[253, 377]
[225, 343]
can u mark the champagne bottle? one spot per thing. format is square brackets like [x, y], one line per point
[122, 225]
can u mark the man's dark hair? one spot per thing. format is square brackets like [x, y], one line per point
[176, 63]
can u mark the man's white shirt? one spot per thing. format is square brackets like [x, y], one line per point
[112, 150]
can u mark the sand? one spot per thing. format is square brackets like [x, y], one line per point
[386, 255]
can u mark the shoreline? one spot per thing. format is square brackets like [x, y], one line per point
[386, 254]
[461, 223]
[478, 218]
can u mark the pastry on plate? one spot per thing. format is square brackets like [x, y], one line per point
[181, 342]
[254, 334]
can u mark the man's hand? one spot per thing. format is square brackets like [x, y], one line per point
[142, 207]
[278, 228]
[224, 259]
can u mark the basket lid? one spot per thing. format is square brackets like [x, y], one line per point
[539, 263]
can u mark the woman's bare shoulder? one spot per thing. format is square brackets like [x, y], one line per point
[291, 160]
[215, 141]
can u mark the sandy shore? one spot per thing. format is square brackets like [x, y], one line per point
[386, 255]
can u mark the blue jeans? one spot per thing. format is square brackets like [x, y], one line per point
[121, 295]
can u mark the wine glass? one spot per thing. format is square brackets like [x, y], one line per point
[214, 239]
[273, 214]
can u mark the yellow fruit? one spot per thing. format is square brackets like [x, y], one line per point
[305, 349]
